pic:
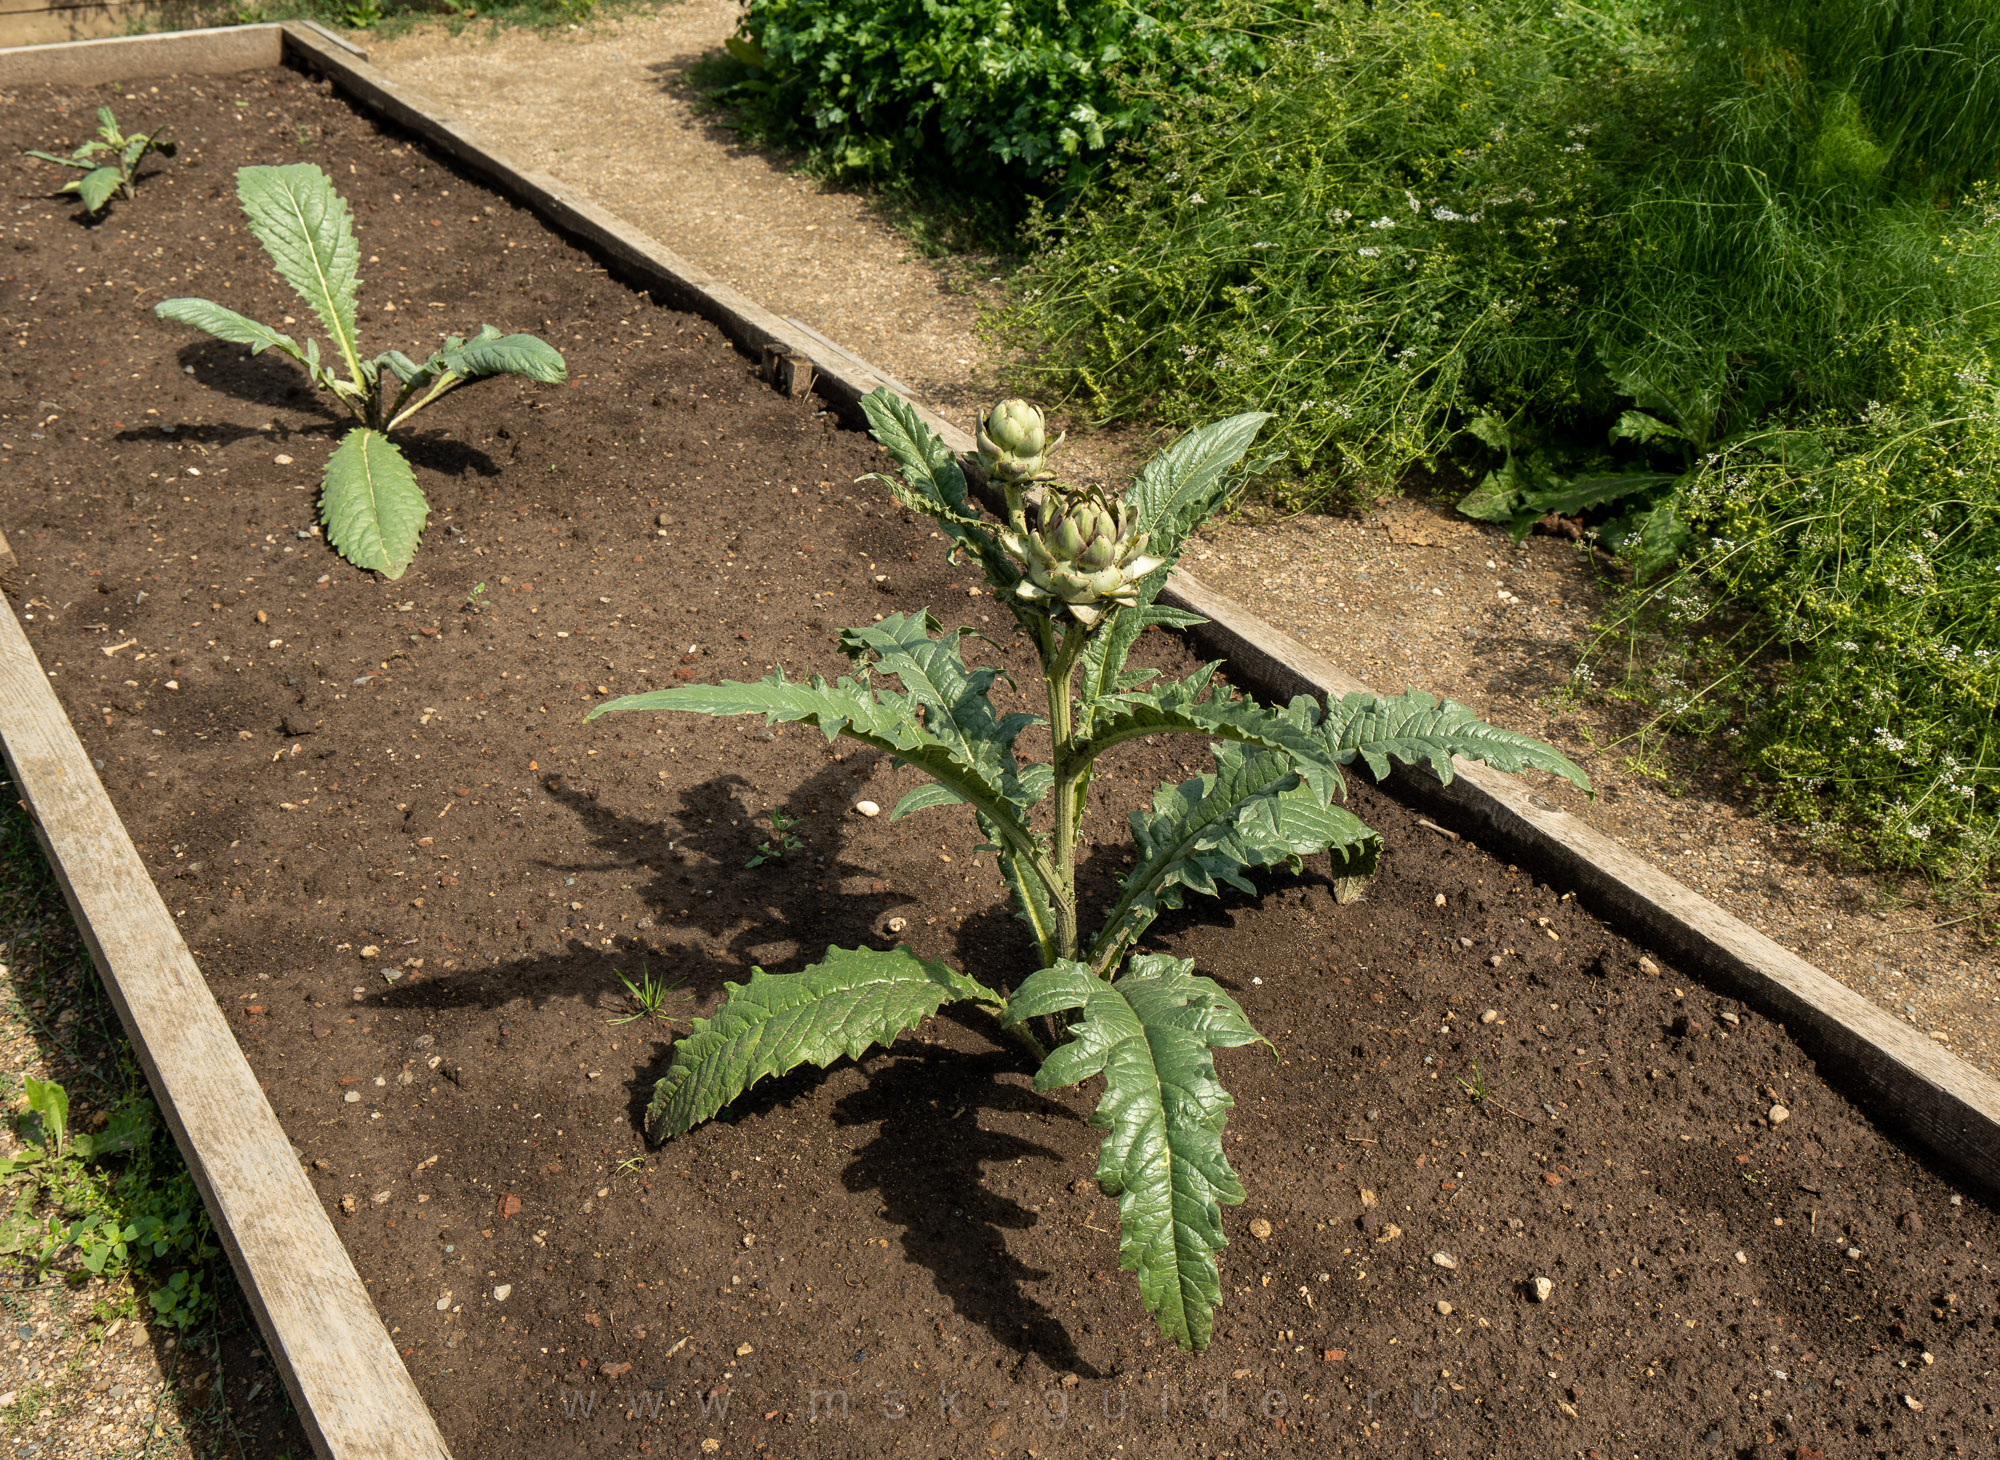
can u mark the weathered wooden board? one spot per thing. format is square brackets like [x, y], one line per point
[1892, 1070]
[351, 1390]
[125, 58]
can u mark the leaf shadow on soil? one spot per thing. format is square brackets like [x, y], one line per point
[927, 1161]
[929, 1153]
[272, 382]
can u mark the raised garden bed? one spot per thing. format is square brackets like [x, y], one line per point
[317, 764]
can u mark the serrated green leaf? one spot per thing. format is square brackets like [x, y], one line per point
[226, 324]
[922, 799]
[1182, 486]
[1204, 833]
[107, 126]
[81, 164]
[886, 721]
[404, 367]
[304, 226]
[931, 482]
[96, 188]
[492, 353]
[1415, 728]
[370, 502]
[1578, 493]
[1495, 499]
[1149, 1035]
[1105, 652]
[850, 1000]
[957, 707]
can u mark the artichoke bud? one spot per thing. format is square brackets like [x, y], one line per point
[1014, 445]
[1084, 558]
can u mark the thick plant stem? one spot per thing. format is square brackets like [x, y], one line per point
[1063, 793]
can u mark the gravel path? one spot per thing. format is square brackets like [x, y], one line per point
[1404, 596]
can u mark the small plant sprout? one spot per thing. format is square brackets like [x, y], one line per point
[109, 162]
[783, 842]
[476, 601]
[370, 503]
[1083, 583]
[649, 996]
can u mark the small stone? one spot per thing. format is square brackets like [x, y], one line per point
[352, 1097]
[1741, 1258]
[744, 1350]
[1542, 1289]
[1444, 1309]
[379, 1199]
[614, 1371]
[867, 808]
[1911, 1223]
[1444, 1260]
[749, 1239]
[1438, 900]
[709, 1447]
[282, 460]
[1647, 966]
[1728, 1018]
[371, 951]
[1490, 1016]
[500, 1293]
[349, 1205]
[1854, 1254]
[1260, 1229]
[443, 1304]
[1495, 961]
[358, 994]
[1390, 1232]
[1780, 1114]
[663, 520]
[1914, 1403]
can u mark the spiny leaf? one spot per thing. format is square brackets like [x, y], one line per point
[1184, 484]
[227, 324]
[958, 710]
[492, 353]
[1413, 727]
[304, 226]
[931, 482]
[1149, 1034]
[80, 162]
[371, 504]
[851, 999]
[1204, 833]
[923, 798]
[854, 709]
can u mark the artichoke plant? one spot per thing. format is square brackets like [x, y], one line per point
[1086, 556]
[1014, 444]
[1139, 1017]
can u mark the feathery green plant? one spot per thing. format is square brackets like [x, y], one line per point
[104, 180]
[370, 503]
[1083, 584]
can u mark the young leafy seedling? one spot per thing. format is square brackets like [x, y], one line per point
[774, 851]
[104, 180]
[1083, 585]
[371, 505]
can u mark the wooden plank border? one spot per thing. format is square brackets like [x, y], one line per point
[214, 52]
[355, 1397]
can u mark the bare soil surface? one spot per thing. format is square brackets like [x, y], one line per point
[1359, 590]
[413, 877]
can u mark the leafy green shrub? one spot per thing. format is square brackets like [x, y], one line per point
[992, 100]
[1082, 586]
[373, 509]
[1867, 683]
[1601, 250]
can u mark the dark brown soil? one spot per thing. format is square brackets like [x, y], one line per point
[337, 779]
